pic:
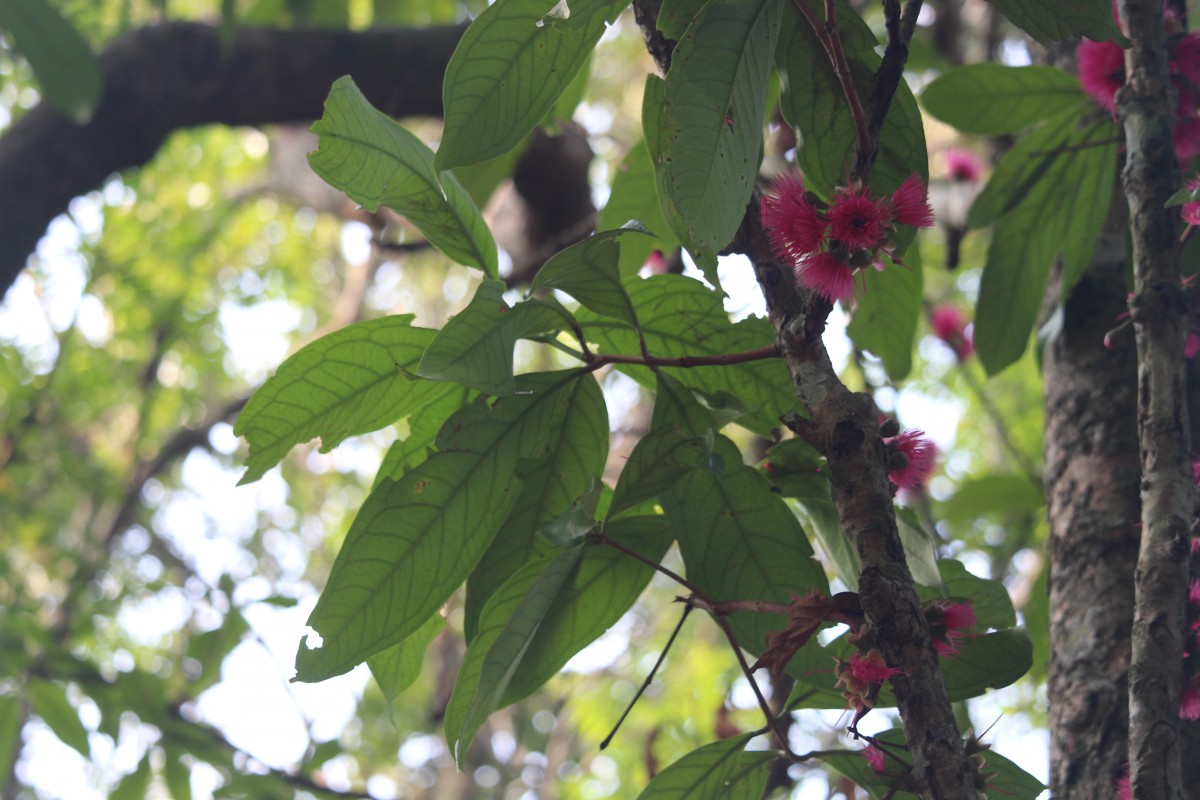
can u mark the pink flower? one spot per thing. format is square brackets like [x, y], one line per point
[917, 455]
[963, 165]
[1187, 139]
[911, 203]
[874, 757]
[1189, 702]
[1191, 346]
[1185, 59]
[1123, 789]
[1191, 211]
[1194, 586]
[1101, 70]
[871, 668]
[948, 624]
[794, 226]
[827, 275]
[857, 219]
[949, 325]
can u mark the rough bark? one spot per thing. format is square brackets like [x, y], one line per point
[1092, 483]
[1146, 106]
[177, 75]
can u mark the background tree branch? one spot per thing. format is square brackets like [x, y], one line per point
[177, 75]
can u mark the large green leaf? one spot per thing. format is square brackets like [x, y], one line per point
[675, 16]
[918, 547]
[710, 139]
[341, 385]
[991, 661]
[375, 161]
[590, 272]
[422, 426]
[508, 71]
[396, 668]
[993, 494]
[603, 587]
[475, 348]
[885, 321]
[810, 488]
[1047, 221]
[680, 316]
[51, 704]
[811, 100]
[993, 99]
[740, 541]
[510, 645]
[634, 196]
[60, 58]
[1058, 20]
[716, 771]
[657, 462]
[576, 449]
[415, 540]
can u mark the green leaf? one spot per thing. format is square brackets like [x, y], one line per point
[135, 785]
[58, 55]
[885, 321]
[657, 462]
[341, 385]
[481, 180]
[589, 271]
[993, 99]
[740, 541]
[576, 449]
[415, 540]
[710, 134]
[375, 161]
[569, 527]
[811, 100]
[993, 494]
[599, 592]
[675, 16]
[675, 404]
[1062, 19]
[680, 316]
[178, 775]
[991, 661]
[635, 197]
[719, 770]
[1044, 221]
[475, 348]
[396, 668]
[816, 509]
[209, 649]
[509, 69]
[51, 704]
[11, 719]
[989, 599]
[918, 547]
[509, 647]
[423, 425]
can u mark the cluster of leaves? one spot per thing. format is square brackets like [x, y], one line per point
[497, 483]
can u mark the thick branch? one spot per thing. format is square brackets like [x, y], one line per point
[1146, 106]
[177, 75]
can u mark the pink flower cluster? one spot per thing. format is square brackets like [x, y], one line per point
[948, 624]
[862, 675]
[1102, 73]
[951, 327]
[1189, 698]
[825, 245]
[910, 459]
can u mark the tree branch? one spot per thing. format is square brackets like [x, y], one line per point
[1146, 108]
[177, 75]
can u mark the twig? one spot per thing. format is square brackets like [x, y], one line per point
[718, 360]
[687, 609]
[728, 607]
[601, 538]
[772, 720]
[900, 27]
